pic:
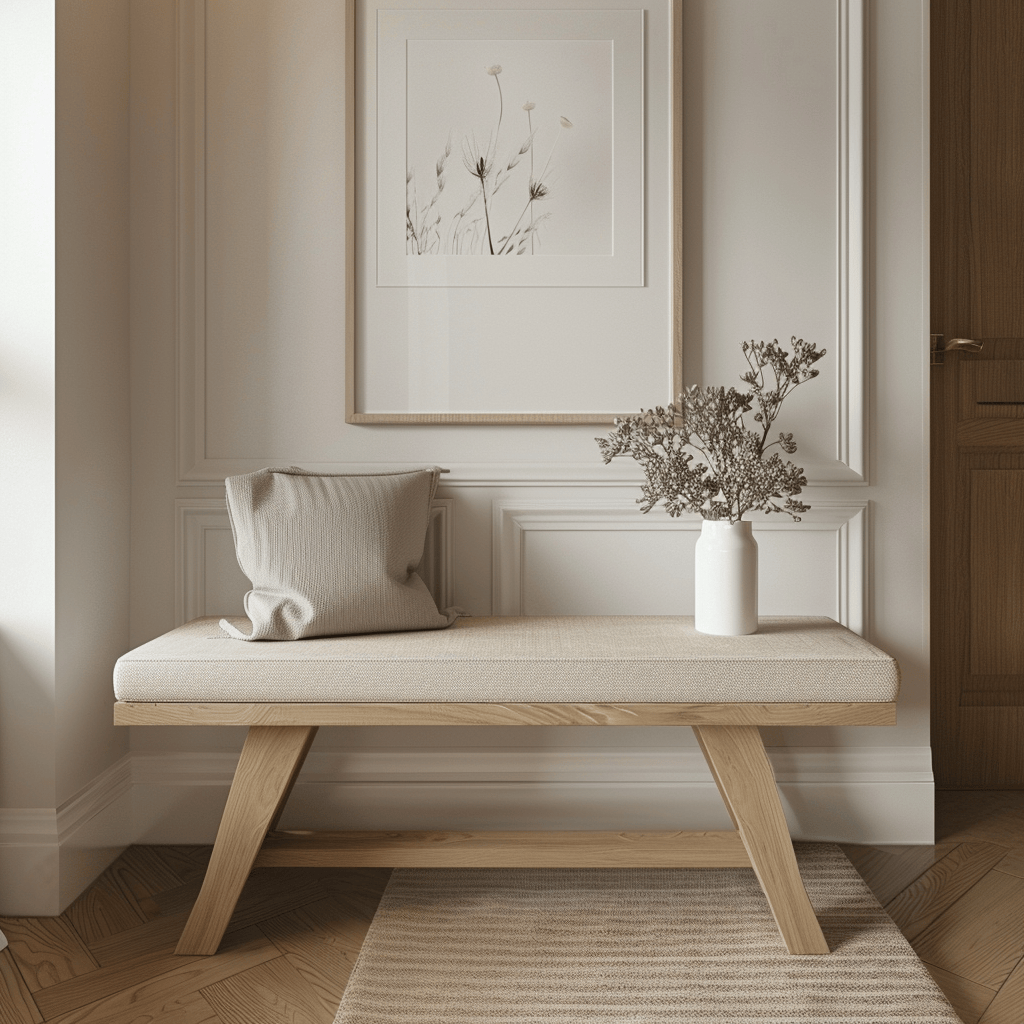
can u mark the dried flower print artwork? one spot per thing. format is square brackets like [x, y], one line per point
[464, 234]
[504, 164]
[739, 473]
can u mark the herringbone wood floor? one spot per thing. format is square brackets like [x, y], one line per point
[109, 957]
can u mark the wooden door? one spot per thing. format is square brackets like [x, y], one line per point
[977, 252]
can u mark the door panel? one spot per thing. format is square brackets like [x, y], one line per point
[993, 735]
[992, 389]
[996, 149]
[977, 280]
[996, 579]
[978, 568]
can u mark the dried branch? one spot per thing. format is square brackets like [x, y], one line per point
[738, 475]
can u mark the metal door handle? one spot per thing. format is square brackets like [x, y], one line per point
[956, 345]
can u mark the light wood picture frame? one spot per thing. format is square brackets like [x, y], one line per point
[581, 322]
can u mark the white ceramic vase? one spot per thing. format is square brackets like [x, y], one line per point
[725, 592]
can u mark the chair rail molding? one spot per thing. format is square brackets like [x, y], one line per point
[513, 520]
[196, 468]
[198, 562]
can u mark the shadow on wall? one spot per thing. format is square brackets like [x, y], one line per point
[27, 729]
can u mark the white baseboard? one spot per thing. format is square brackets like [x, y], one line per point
[49, 855]
[94, 828]
[541, 765]
[29, 862]
[857, 795]
[843, 794]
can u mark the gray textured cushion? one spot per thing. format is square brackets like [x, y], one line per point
[332, 554]
[557, 659]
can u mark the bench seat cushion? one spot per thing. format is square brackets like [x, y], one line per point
[550, 659]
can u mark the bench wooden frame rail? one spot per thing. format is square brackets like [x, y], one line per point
[280, 736]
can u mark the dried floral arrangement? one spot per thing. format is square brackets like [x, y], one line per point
[740, 474]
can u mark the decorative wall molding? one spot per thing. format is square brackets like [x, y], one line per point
[194, 468]
[435, 567]
[512, 520]
[622, 473]
[196, 518]
[851, 398]
[190, 120]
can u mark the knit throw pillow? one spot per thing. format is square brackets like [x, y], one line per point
[330, 554]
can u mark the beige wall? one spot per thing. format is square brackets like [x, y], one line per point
[538, 524]
[534, 522]
[93, 464]
[93, 426]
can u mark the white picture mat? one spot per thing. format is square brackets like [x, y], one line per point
[535, 351]
[507, 34]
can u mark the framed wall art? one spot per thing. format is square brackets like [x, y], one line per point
[514, 208]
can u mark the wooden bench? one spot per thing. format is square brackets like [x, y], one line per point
[552, 671]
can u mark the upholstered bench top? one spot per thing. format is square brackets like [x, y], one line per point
[551, 659]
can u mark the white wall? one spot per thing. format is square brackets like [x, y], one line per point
[64, 465]
[773, 247]
[27, 457]
[27, 465]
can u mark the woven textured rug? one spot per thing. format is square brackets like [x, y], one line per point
[577, 946]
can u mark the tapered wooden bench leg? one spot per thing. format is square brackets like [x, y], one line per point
[270, 761]
[737, 759]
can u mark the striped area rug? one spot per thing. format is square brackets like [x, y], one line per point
[576, 946]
